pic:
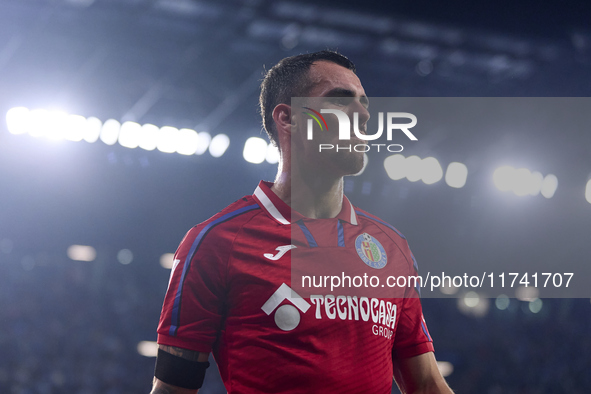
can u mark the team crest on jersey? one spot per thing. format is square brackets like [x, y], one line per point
[371, 251]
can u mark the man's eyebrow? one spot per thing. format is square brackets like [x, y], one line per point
[342, 92]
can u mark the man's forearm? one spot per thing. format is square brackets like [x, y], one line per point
[160, 387]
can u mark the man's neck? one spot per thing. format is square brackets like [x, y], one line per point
[315, 198]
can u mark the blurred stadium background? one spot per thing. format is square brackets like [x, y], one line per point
[125, 123]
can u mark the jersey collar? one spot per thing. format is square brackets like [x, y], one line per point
[283, 213]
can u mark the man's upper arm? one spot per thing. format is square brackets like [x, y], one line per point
[412, 335]
[187, 354]
[192, 311]
[419, 375]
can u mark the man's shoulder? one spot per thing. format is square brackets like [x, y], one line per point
[227, 221]
[364, 218]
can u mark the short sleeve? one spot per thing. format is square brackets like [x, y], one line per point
[194, 303]
[412, 336]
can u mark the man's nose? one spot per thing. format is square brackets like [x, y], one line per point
[363, 114]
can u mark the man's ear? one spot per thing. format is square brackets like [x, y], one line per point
[282, 118]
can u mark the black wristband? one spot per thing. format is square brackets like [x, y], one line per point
[180, 372]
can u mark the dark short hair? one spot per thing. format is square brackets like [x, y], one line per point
[289, 78]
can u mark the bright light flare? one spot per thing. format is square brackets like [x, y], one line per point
[471, 299]
[147, 348]
[535, 305]
[110, 132]
[472, 304]
[204, 139]
[431, 171]
[523, 182]
[218, 145]
[272, 156]
[74, 128]
[125, 256]
[188, 142]
[588, 191]
[255, 150]
[166, 260]
[81, 253]
[149, 136]
[526, 293]
[456, 175]
[395, 167]
[502, 302]
[503, 178]
[130, 135]
[445, 368]
[413, 168]
[92, 129]
[549, 186]
[167, 139]
[17, 120]
[536, 183]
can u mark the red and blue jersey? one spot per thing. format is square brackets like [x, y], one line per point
[233, 292]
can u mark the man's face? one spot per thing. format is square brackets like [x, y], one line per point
[332, 87]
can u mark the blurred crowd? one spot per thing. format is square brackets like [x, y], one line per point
[73, 327]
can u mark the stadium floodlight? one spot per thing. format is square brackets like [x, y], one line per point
[272, 156]
[549, 186]
[471, 299]
[255, 150]
[17, 120]
[588, 191]
[149, 136]
[526, 293]
[110, 132]
[204, 139]
[74, 128]
[503, 178]
[125, 256]
[188, 142]
[445, 368]
[502, 302]
[167, 139]
[535, 305]
[431, 171]
[218, 145]
[167, 260]
[456, 175]
[395, 166]
[536, 183]
[92, 130]
[56, 125]
[147, 348]
[130, 135]
[522, 182]
[39, 119]
[473, 304]
[413, 168]
[81, 253]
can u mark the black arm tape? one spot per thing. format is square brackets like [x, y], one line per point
[180, 372]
